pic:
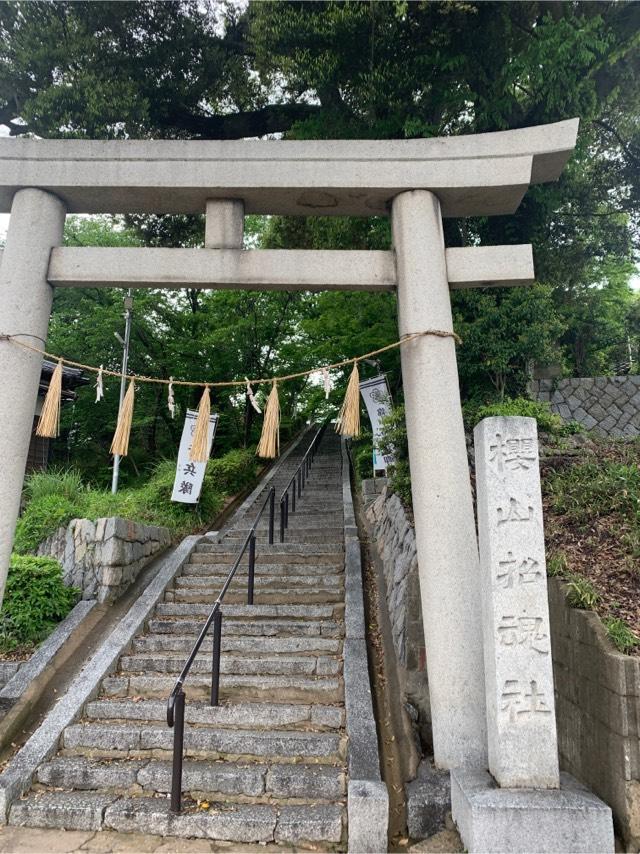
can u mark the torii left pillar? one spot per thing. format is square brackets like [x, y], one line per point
[35, 227]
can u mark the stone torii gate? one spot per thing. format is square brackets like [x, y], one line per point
[416, 182]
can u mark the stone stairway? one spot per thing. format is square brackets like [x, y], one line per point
[269, 763]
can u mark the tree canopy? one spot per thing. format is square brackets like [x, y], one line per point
[217, 70]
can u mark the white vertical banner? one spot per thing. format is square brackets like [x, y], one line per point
[377, 398]
[189, 475]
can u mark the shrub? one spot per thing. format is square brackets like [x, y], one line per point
[620, 634]
[362, 455]
[231, 473]
[35, 600]
[394, 442]
[40, 519]
[522, 406]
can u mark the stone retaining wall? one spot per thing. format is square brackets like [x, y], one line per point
[104, 557]
[392, 533]
[598, 711]
[609, 406]
[597, 688]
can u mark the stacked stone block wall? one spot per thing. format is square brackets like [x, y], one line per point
[395, 544]
[104, 557]
[609, 406]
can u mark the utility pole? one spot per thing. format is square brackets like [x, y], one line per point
[128, 305]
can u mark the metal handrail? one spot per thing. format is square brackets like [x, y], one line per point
[302, 474]
[176, 701]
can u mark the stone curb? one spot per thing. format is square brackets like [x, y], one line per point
[18, 775]
[42, 657]
[368, 799]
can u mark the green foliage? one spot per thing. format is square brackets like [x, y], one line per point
[41, 518]
[596, 489]
[523, 407]
[66, 483]
[394, 441]
[557, 565]
[392, 70]
[581, 593]
[621, 635]
[35, 600]
[231, 473]
[55, 502]
[362, 455]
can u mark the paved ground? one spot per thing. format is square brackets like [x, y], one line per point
[31, 840]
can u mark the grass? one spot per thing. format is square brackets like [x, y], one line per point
[56, 497]
[581, 593]
[592, 522]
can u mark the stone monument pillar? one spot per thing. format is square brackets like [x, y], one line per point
[35, 226]
[442, 503]
[524, 804]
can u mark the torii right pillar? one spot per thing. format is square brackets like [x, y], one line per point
[442, 503]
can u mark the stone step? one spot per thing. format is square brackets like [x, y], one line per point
[287, 689]
[234, 665]
[200, 778]
[276, 569]
[264, 596]
[257, 612]
[244, 645]
[296, 553]
[137, 739]
[264, 628]
[240, 823]
[262, 581]
[292, 535]
[238, 715]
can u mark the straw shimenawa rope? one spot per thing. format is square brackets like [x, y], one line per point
[199, 452]
[120, 443]
[49, 421]
[269, 445]
[438, 333]
[348, 423]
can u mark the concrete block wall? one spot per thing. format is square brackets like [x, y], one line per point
[104, 557]
[609, 406]
[598, 711]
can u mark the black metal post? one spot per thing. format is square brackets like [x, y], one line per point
[282, 520]
[286, 509]
[272, 511]
[252, 568]
[178, 746]
[302, 470]
[299, 484]
[293, 498]
[215, 667]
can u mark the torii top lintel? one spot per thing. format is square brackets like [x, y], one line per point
[474, 175]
